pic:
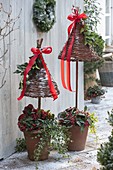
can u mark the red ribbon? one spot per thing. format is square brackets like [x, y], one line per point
[74, 17]
[37, 53]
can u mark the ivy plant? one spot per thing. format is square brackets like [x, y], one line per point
[92, 38]
[20, 145]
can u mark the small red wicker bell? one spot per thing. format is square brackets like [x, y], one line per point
[37, 81]
[38, 85]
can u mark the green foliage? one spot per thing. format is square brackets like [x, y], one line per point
[110, 118]
[96, 42]
[92, 9]
[94, 119]
[56, 136]
[105, 152]
[45, 134]
[60, 138]
[90, 67]
[20, 145]
[44, 14]
[73, 116]
[92, 38]
[21, 68]
[95, 91]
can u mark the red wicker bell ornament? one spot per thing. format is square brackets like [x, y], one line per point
[38, 85]
[80, 51]
[75, 50]
[39, 82]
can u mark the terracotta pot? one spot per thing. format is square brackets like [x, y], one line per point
[78, 138]
[32, 144]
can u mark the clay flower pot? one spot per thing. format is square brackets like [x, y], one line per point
[78, 138]
[36, 124]
[77, 122]
[32, 143]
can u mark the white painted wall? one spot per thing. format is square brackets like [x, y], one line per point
[112, 22]
[25, 38]
[101, 26]
[106, 22]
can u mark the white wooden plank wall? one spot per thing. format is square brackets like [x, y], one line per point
[112, 23]
[19, 52]
[5, 108]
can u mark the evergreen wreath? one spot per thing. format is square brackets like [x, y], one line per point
[44, 14]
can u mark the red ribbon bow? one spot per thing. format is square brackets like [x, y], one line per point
[74, 17]
[38, 53]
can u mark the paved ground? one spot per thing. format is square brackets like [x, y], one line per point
[84, 160]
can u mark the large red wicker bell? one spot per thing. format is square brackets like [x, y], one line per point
[80, 51]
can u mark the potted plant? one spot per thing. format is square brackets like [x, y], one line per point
[41, 131]
[37, 127]
[78, 123]
[95, 93]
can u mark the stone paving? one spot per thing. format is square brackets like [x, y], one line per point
[83, 160]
